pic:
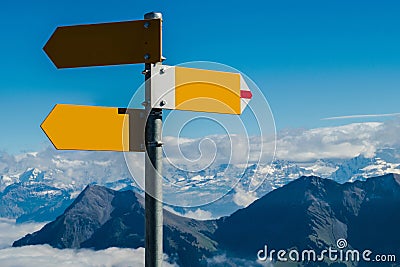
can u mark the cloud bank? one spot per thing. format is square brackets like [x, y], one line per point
[79, 168]
[46, 256]
[299, 145]
[9, 231]
[198, 214]
[243, 198]
[341, 142]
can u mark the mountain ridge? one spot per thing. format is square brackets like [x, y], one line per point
[308, 213]
[119, 215]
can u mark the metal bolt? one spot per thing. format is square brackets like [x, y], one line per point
[162, 71]
[153, 15]
[147, 56]
[163, 103]
[147, 24]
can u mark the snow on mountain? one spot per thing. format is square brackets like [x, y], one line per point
[5, 181]
[320, 168]
[21, 199]
[379, 168]
[225, 187]
[67, 170]
[361, 168]
[276, 175]
[344, 153]
[39, 186]
[32, 175]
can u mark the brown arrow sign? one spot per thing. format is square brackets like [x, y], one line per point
[104, 44]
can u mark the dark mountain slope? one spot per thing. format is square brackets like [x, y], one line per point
[308, 213]
[313, 213]
[100, 218]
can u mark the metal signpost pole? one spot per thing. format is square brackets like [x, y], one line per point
[153, 177]
[103, 128]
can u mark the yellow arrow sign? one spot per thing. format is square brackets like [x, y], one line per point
[103, 44]
[198, 90]
[72, 127]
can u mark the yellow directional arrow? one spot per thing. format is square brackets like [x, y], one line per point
[72, 127]
[198, 90]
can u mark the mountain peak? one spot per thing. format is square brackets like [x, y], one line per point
[100, 218]
[313, 183]
[95, 187]
[308, 213]
[313, 212]
[32, 175]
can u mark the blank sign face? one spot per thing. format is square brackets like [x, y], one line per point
[198, 90]
[73, 127]
[117, 43]
[207, 91]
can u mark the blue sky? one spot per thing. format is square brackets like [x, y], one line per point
[312, 59]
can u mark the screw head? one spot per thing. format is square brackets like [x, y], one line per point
[163, 103]
[162, 71]
[153, 15]
[147, 56]
[146, 24]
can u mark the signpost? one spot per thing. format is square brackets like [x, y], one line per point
[104, 44]
[120, 129]
[198, 90]
[76, 127]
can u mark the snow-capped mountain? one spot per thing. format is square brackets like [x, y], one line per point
[33, 201]
[309, 213]
[361, 168]
[39, 186]
[66, 170]
[61, 176]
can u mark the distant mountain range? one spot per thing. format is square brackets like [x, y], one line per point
[39, 186]
[308, 213]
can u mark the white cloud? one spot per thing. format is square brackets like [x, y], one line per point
[46, 256]
[9, 231]
[362, 116]
[199, 214]
[244, 198]
[301, 145]
[342, 142]
[331, 142]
